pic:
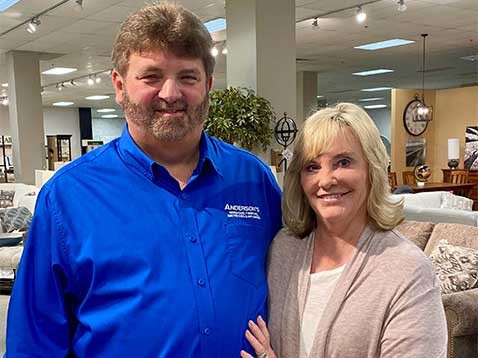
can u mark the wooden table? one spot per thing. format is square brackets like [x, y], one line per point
[463, 188]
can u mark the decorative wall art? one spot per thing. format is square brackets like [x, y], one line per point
[471, 147]
[415, 152]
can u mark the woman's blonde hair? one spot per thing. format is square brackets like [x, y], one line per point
[313, 139]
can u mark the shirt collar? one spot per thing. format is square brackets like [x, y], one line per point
[135, 157]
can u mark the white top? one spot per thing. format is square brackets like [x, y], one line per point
[320, 289]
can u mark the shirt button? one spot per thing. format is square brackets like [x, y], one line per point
[207, 331]
[184, 195]
[201, 282]
[193, 238]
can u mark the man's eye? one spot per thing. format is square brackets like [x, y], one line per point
[190, 78]
[152, 77]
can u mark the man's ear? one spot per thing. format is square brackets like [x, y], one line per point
[118, 85]
[209, 83]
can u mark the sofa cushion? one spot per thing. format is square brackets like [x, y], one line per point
[431, 199]
[451, 201]
[455, 234]
[6, 198]
[455, 266]
[15, 219]
[438, 215]
[417, 232]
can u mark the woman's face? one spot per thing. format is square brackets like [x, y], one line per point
[336, 183]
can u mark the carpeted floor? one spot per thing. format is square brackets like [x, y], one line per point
[3, 315]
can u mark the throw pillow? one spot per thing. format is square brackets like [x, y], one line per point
[455, 266]
[15, 219]
[6, 198]
[451, 201]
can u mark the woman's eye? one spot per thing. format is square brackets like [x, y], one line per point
[343, 163]
[312, 167]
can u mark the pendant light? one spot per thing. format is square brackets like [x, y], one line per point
[424, 112]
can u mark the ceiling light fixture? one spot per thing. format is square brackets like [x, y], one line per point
[360, 15]
[370, 99]
[376, 89]
[315, 24]
[384, 44]
[375, 106]
[78, 6]
[372, 72]
[110, 116]
[214, 51]
[59, 71]
[401, 5]
[424, 112]
[97, 79]
[63, 104]
[97, 97]
[105, 110]
[33, 25]
[4, 101]
[90, 81]
[4, 85]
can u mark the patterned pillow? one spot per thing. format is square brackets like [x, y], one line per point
[451, 201]
[455, 266]
[6, 198]
[17, 218]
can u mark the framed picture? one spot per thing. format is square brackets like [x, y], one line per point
[415, 152]
[471, 147]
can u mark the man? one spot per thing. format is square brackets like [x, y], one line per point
[153, 245]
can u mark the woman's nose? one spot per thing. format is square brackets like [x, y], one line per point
[327, 179]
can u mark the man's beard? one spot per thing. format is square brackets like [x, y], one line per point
[162, 127]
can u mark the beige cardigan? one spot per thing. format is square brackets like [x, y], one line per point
[387, 302]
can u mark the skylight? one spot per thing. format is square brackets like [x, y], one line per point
[216, 25]
[370, 99]
[376, 89]
[375, 106]
[59, 71]
[384, 44]
[372, 72]
[5, 4]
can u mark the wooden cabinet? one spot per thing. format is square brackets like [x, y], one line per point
[472, 178]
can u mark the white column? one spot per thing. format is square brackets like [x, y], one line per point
[25, 114]
[307, 84]
[261, 51]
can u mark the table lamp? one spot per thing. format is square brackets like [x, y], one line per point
[453, 152]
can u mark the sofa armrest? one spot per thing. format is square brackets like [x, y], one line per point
[461, 310]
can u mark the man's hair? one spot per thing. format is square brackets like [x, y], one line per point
[314, 138]
[165, 27]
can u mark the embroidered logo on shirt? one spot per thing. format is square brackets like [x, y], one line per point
[243, 211]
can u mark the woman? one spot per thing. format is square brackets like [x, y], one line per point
[343, 283]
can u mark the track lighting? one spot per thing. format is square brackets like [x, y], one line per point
[4, 101]
[90, 81]
[214, 51]
[315, 24]
[33, 25]
[401, 5]
[360, 15]
[224, 50]
[97, 79]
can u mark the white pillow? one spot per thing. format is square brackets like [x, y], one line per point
[451, 201]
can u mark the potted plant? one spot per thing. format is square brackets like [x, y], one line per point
[237, 115]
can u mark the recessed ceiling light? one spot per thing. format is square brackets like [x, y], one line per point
[370, 99]
[5, 4]
[372, 72]
[216, 25]
[470, 58]
[105, 110]
[59, 71]
[63, 104]
[97, 98]
[374, 106]
[384, 44]
[4, 85]
[109, 116]
[375, 89]
[320, 96]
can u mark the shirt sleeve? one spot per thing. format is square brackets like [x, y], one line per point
[38, 324]
[416, 324]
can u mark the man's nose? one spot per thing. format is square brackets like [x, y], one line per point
[170, 91]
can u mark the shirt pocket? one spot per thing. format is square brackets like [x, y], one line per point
[247, 247]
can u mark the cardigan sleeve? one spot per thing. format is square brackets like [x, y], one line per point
[416, 324]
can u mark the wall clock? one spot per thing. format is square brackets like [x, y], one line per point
[410, 122]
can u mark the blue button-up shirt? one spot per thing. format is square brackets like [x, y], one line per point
[120, 262]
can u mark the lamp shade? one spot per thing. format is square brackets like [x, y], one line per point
[453, 148]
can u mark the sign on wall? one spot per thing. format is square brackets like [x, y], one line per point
[471, 147]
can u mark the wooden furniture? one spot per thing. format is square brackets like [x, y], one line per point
[59, 149]
[408, 178]
[458, 176]
[453, 187]
[472, 178]
[392, 180]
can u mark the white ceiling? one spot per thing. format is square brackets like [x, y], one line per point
[68, 38]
